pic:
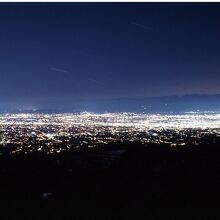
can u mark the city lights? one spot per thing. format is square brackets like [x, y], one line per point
[54, 133]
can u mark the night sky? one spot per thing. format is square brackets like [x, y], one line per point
[74, 51]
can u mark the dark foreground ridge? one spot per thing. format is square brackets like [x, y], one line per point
[118, 181]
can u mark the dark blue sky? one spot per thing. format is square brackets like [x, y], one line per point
[74, 51]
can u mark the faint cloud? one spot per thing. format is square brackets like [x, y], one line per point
[59, 70]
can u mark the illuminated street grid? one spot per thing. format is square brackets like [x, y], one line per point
[54, 133]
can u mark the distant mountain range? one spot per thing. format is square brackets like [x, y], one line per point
[164, 104]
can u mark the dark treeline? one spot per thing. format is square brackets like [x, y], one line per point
[119, 181]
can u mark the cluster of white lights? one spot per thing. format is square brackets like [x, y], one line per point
[140, 121]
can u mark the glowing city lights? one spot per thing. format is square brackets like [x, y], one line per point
[54, 133]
